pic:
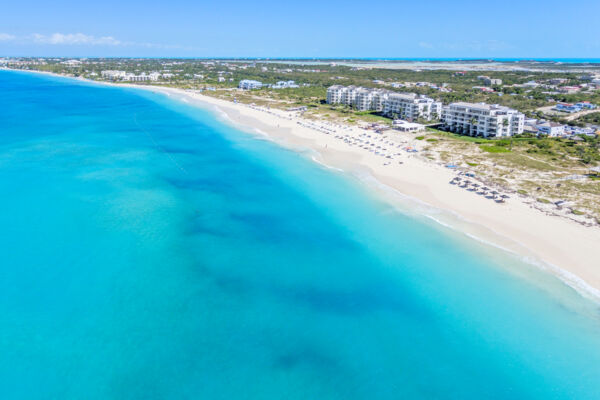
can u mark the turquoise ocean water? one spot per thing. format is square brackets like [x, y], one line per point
[149, 251]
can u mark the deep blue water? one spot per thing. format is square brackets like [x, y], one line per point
[149, 251]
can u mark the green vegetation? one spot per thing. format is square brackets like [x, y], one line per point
[494, 149]
[420, 137]
[592, 118]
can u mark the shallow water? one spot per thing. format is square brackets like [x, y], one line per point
[150, 251]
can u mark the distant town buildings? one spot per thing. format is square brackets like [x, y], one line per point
[573, 108]
[249, 84]
[529, 85]
[569, 89]
[408, 106]
[71, 63]
[484, 89]
[480, 119]
[557, 81]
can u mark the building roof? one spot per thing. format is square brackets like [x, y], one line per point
[550, 125]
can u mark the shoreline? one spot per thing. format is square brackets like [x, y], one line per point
[419, 196]
[564, 248]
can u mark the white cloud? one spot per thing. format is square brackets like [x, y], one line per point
[426, 45]
[75, 39]
[81, 39]
[5, 37]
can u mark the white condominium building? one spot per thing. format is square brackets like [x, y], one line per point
[410, 106]
[480, 119]
[363, 98]
[136, 78]
[404, 105]
[338, 94]
[112, 74]
[334, 94]
[378, 100]
[130, 77]
[349, 95]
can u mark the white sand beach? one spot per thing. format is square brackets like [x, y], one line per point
[561, 246]
[564, 247]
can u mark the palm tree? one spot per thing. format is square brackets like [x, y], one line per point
[505, 124]
[474, 122]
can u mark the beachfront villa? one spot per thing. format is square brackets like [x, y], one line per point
[550, 129]
[404, 105]
[480, 119]
[249, 84]
[405, 126]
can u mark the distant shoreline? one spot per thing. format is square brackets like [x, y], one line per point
[534, 65]
[567, 249]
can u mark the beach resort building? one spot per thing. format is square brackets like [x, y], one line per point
[113, 74]
[129, 77]
[139, 78]
[379, 99]
[363, 99]
[334, 94]
[480, 119]
[349, 95]
[249, 84]
[408, 106]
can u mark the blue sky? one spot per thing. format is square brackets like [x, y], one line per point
[308, 28]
